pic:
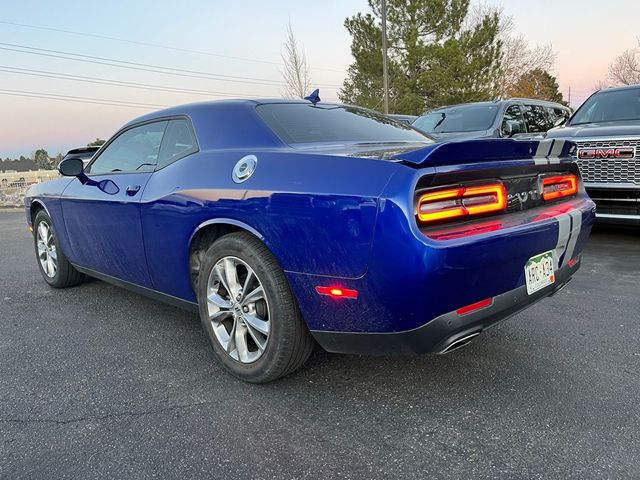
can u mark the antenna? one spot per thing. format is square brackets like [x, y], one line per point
[314, 97]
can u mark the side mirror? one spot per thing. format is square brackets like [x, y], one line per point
[510, 128]
[74, 167]
[71, 167]
[560, 121]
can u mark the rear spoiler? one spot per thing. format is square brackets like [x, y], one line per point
[473, 151]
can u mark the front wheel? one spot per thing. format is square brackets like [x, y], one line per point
[248, 312]
[56, 270]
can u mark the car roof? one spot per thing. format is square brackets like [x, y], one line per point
[189, 109]
[226, 124]
[615, 89]
[499, 102]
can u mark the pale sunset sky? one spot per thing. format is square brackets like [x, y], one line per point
[241, 43]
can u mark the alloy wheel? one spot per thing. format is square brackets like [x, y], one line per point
[238, 309]
[47, 254]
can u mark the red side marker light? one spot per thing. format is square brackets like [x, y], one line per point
[573, 261]
[337, 292]
[474, 306]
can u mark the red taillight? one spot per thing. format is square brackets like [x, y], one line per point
[461, 202]
[559, 186]
[475, 306]
[337, 292]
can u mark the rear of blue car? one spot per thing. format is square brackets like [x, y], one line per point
[471, 244]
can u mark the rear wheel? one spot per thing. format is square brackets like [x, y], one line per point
[56, 270]
[248, 311]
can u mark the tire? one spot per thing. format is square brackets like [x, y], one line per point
[56, 270]
[236, 326]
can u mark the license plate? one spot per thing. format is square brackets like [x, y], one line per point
[538, 272]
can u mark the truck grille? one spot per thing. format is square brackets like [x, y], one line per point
[610, 170]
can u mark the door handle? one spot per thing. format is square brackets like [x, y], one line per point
[132, 190]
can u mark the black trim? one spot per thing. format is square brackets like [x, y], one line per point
[147, 292]
[438, 334]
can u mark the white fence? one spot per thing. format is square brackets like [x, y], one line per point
[13, 186]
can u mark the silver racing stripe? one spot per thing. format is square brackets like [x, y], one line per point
[544, 147]
[548, 152]
[576, 227]
[556, 150]
[564, 234]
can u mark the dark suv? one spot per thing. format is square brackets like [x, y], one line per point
[516, 117]
[606, 129]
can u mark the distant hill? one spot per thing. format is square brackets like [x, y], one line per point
[17, 165]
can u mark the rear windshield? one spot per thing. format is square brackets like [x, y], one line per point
[613, 106]
[466, 118]
[297, 123]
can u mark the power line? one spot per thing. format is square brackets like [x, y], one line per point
[70, 98]
[156, 45]
[116, 83]
[141, 66]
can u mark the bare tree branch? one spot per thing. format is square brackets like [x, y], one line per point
[296, 71]
[601, 85]
[625, 68]
[518, 58]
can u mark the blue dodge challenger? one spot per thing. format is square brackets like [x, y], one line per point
[290, 223]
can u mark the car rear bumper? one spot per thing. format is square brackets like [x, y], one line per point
[408, 299]
[446, 332]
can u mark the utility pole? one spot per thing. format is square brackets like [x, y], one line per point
[385, 68]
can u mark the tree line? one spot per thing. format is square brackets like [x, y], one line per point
[443, 52]
[39, 160]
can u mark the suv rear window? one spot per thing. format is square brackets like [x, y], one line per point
[298, 123]
[463, 118]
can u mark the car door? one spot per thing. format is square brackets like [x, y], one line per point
[102, 217]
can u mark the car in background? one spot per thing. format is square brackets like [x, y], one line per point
[287, 223]
[606, 129]
[84, 153]
[520, 118]
[409, 119]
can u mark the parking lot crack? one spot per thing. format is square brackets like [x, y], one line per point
[108, 416]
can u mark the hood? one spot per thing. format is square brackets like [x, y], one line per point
[589, 130]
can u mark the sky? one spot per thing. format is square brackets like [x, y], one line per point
[236, 46]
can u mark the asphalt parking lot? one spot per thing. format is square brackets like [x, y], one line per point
[98, 382]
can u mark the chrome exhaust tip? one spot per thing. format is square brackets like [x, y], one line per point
[459, 342]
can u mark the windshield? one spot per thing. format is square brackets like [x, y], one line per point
[465, 118]
[609, 106]
[297, 123]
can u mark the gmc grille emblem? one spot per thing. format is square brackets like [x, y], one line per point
[590, 153]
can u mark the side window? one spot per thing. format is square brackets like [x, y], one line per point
[179, 141]
[559, 112]
[514, 113]
[135, 150]
[536, 118]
